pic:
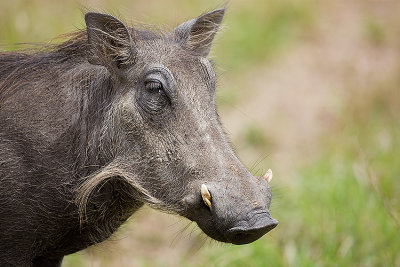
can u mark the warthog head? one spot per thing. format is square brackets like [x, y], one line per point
[163, 133]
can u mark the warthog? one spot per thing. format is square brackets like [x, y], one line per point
[113, 118]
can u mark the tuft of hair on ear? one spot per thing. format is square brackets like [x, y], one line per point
[197, 34]
[110, 43]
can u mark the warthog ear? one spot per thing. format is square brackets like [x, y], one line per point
[110, 43]
[197, 34]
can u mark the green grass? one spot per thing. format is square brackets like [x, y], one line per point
[73, 261]
[255, 137]
[374, 31]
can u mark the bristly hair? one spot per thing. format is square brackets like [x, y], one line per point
[61, 57]
[73, 49]
[75, 44]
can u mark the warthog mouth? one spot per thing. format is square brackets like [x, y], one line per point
[225, 219]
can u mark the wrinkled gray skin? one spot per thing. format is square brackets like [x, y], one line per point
[92, 129]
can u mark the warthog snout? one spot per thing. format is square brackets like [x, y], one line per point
[237, 212]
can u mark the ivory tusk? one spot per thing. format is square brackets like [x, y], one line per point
[205, 194]
[268, 175]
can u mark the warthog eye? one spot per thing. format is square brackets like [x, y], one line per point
[153, 98]
[155, 93]
[155, 87]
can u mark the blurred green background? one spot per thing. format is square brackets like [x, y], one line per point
[308, 88]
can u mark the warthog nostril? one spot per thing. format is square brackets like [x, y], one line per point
[268, 175]
[244, 234]
[205, 194]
